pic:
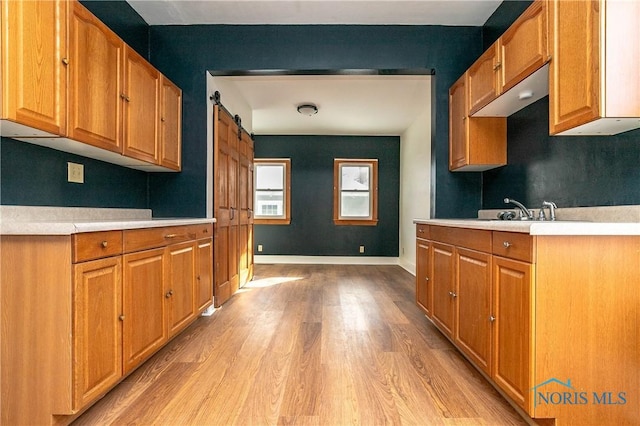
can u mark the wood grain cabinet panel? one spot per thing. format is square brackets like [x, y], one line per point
[179, 286]
[483, 79]
[145, 324]
[141, 108]
[444, 287]
[170, 132]
[95, 81]
[97, 329]
[593, 77]
[34, 75]
[474, 319]
[204, 275]
[475, 143]
[424, 286]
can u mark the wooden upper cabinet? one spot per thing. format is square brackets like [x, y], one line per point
[523, 48]
[34, 76]
[483, 79]
[475, 143]
[170, 140]
[515, 61]
[593, 77]
[95, 83]
[141, 108]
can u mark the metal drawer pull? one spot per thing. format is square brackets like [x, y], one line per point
[121, 317]
[104, 244]
[506, 244]
[452, 294]
[169, 294]
[492, 318]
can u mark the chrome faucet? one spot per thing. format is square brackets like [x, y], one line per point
[523, 212]
[552, 210]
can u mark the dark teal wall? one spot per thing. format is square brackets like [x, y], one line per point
[573, 171]
[185, 53]
[312, 231]
[36, 176]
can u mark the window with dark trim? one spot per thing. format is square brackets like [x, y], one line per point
[355, 192]
[272, 198]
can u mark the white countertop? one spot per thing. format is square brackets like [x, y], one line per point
[571, 227]
[21, 220]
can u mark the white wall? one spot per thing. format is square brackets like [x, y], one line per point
[415, 182]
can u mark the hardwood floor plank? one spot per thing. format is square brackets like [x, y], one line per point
[309, 344]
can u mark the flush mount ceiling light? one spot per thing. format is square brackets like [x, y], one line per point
[307, 109]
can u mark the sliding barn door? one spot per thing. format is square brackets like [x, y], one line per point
[246, 208]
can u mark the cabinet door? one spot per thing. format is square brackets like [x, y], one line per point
[97, 329]
[444, 287]
[574, 71]
[483, 79]
[141, 108]
[473, 331]
[204, 275]
[458, 148]
[95, 70]
[170, 125]
[180, 285]
[424, 288]
[512, 347]
[145, 324]
[34, 76]
[524, 47]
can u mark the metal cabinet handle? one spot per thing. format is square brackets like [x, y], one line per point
[169, 294]
[426, 278]
[121, 317]
[452, 294]
[492, 318]
[233, 213]
[65, 61]
[104, 244]
[125, 97]
[497, 66]
[506, 244]
[162, 119]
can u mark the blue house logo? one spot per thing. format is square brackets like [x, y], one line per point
[565, 394]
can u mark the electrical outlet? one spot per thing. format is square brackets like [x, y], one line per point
[259, 248]
[75, 172]
[361, 249]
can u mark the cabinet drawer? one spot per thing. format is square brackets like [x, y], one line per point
[142, 239]
[475, 239]
[96, 245]
[422, 231]
[513, 245]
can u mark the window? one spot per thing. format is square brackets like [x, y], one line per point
[355, 192]
[272, 191]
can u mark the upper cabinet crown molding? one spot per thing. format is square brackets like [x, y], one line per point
[71, 84]
[593, 78]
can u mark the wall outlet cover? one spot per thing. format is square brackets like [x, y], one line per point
[75, 172]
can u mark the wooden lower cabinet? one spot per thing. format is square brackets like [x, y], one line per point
[512, 333]
[82, 311]
[97, 328]
[179, 290]
[203, 289]
[444, 287]
[474, 310]
[424, 286]
[145, 325]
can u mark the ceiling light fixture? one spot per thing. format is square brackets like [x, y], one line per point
[307, 109]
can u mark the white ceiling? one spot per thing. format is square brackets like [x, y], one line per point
[373, 12]
[347, 104]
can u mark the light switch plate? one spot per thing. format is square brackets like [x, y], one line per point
[75, 172]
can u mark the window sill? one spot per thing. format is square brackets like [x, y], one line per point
[271, 221]
[355, 222]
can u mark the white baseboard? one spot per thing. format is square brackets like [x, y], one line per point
[407, 266]
[325, 260]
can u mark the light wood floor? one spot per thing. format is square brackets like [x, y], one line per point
[309, 344]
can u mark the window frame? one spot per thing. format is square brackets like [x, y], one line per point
[263, 220]
[372, 220]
